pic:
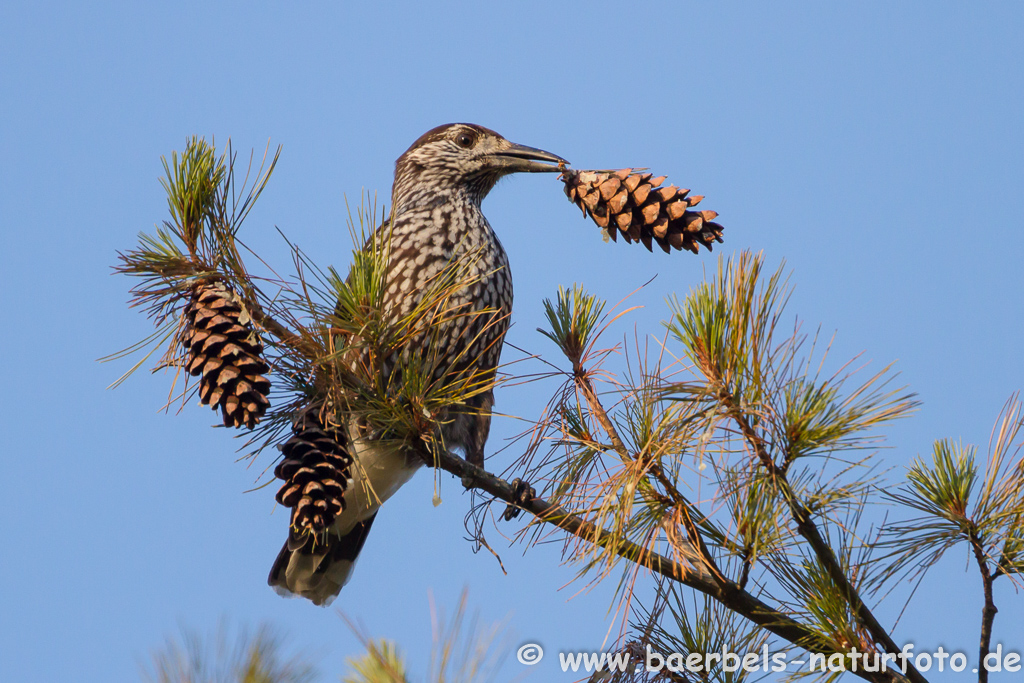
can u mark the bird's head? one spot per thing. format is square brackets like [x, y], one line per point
[464, 158]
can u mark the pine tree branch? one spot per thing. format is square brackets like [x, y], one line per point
[582, 379]
[988, 612]
[809, 531]
[728, 593]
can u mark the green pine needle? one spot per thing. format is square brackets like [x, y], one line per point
[573, 318]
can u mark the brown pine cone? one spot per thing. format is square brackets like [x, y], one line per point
[316, 471]
[636, 205]
[225, 351]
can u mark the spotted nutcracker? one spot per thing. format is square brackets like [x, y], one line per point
[439, 184]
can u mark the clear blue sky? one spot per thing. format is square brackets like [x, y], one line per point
[877, 147]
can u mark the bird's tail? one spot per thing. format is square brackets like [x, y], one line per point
[318, 571]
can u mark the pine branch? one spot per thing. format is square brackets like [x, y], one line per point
[988, 612]
[727, 592]
[696, 539]
[574, 321]
[809, 531]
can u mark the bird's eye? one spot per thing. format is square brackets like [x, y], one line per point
[465, 140]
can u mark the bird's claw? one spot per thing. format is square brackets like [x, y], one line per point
[522, 494]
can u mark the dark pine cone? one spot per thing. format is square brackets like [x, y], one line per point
[224, 350]
[316, 473]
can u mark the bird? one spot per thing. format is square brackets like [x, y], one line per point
[436, 219]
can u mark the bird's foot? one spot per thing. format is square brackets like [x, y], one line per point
[522, 494]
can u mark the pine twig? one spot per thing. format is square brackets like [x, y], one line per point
[988, 612]
[284, 335]
[692, 532]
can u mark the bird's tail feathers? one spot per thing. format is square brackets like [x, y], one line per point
[318, 571]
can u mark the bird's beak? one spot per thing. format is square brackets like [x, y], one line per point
[523, 159]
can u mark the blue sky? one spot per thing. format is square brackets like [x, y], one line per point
[876, 147]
